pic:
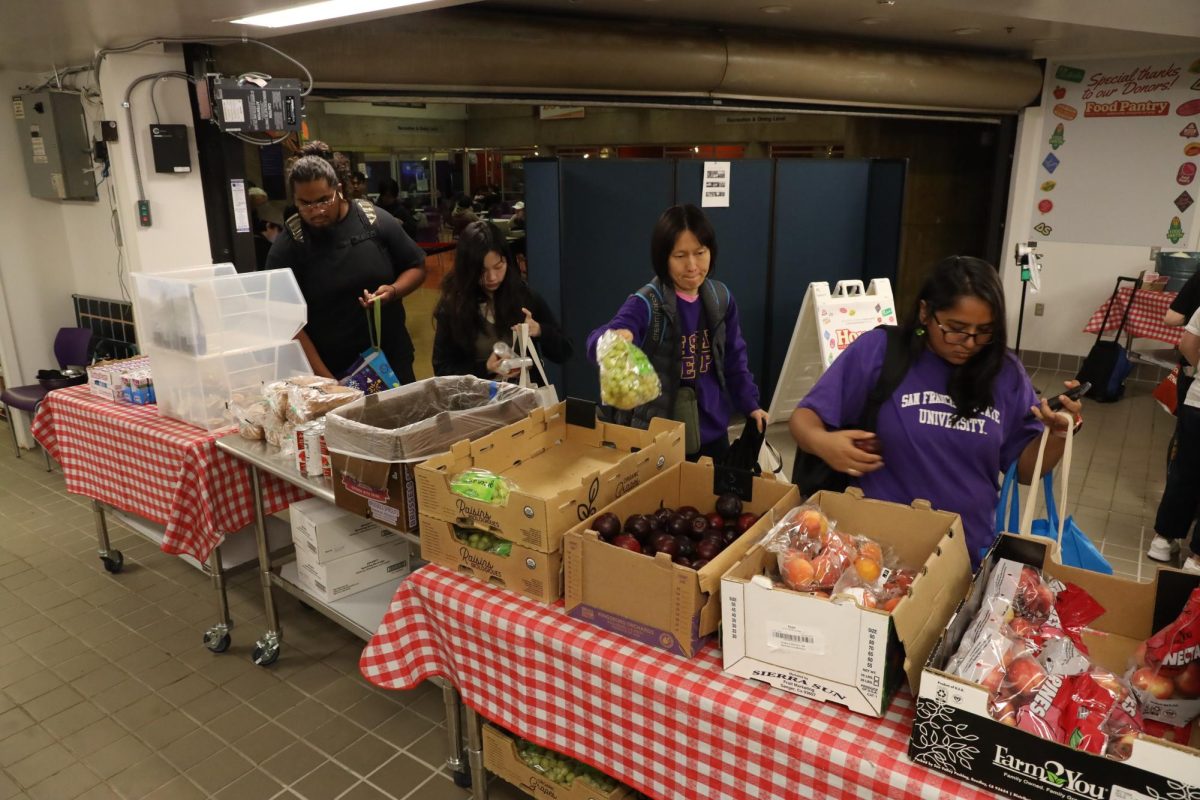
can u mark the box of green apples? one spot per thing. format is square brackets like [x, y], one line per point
[544, 773]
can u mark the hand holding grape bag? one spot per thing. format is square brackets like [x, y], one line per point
[627, 379]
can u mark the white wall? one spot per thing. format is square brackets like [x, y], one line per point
[1076, 278]
[50, 250]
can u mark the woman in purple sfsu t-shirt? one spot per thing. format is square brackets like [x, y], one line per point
[963, 413]
[688, 326]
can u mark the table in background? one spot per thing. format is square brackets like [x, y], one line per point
[668, 726]
[1145, 321]
[133, 459]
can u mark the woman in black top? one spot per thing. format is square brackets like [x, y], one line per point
[482, 301]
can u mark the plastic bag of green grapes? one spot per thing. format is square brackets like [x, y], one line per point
[627, 379]
[482, 485]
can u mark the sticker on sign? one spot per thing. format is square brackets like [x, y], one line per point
[1121, 793]
[785, 635]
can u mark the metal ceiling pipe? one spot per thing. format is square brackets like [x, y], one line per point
[493, 52]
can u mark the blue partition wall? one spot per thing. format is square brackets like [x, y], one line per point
[789, 223]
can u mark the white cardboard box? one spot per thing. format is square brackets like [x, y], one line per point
[353, 573]
[328, 532]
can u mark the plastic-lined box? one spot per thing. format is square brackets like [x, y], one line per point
[210, 310]
[199, 389]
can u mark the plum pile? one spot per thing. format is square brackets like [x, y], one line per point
[690, 538]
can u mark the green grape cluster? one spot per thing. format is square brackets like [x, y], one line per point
[562, 769]
[479, 484]
[482, 540]
[627, 378]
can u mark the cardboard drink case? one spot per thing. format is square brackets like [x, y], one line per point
[834, 650]
[501, 758]
[953, 732]
[535, 575]
[651, 599]
[563, 463]
[375, 442]
[353, 573]
[328, 532]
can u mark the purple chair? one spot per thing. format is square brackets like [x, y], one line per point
[72, 348]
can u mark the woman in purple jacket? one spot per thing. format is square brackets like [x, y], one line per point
[687, 324]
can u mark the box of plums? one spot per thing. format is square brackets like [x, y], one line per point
[1056, 682]
[648, 566]
[843, 598]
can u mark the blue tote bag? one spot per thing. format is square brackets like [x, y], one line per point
[1074, 548]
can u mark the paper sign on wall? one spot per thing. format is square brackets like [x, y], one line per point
[241, 214]
[714, 189]
[829, 321]
[1119, 149]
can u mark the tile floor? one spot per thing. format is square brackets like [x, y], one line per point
[106, 691]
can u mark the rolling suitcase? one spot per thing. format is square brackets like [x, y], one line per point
[1107, 364]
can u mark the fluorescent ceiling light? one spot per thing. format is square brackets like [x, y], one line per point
[316, 12]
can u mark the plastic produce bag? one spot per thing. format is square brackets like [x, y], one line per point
[251, 418]
[482, 485]
[1166, 671]
[307, 403]
[627, 378]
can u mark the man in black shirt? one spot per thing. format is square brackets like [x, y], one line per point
[344, 254]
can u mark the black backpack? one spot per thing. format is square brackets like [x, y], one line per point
[1107, 365]
[809, 472]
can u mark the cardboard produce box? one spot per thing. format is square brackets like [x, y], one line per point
[565, 465]
[652, 599]
[352, 573]
[953, 732]
[837, 651]
[375, 442]
[501, 757]
[328, 532]
[535, 575]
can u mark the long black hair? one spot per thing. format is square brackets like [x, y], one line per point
[462, 294]
[952, 279]
[674, 221]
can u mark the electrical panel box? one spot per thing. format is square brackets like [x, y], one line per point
[56, 145]
[170, 146]
[245, 106]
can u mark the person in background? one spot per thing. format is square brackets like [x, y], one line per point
[389, 200]
[344, 261]
[482, 302]
[255, 197]
[358, 185]
[270, 220]
[701, 349]
[1182, 308]
[463, 214]
[1179, 509]
[517, 222]
[963, 413]
[516, 230]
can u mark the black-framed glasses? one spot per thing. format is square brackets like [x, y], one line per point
[960, 337]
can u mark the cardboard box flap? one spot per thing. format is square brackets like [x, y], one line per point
[944, 581]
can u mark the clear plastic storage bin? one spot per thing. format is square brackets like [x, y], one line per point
[210, 310]
[198, 389]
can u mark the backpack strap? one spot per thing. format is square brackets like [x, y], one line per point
[656, 330]
[721, 292]
[368, 209]
[295, 227]
[895, 367]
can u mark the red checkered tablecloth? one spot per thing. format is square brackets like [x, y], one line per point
[1145, 317]
[156, 468]
[673, 728]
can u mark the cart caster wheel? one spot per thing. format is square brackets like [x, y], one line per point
[217, 642]
[462, 779]
[265, 656]
[114, 561]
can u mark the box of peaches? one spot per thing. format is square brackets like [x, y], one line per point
[1058, 682]
[843, 598]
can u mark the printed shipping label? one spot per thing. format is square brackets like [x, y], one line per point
[385, 514]
[233, 111]
[785, 635]
[18, 108]
[1121, 793]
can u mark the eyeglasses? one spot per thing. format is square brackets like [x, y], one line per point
[319, 205]
[960, 337]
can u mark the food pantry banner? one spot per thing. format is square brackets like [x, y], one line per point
[1119, 151]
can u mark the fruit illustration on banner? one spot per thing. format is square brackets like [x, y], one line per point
[1196, 86]
[1059, 93]
[1072, 74]
[1048, 186]
[1043, 229]
[1175, 232]
[1184, 201]
[1194, 67]
[1051, 162]
[1190, 131]
[1186, 173]
[1191, 149]
[1045, 206]
[1057, 139]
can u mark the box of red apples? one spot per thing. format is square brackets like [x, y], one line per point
[843, 598]
[1058, 682]
[648, 566]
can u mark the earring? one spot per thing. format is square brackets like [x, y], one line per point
[921, 330]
